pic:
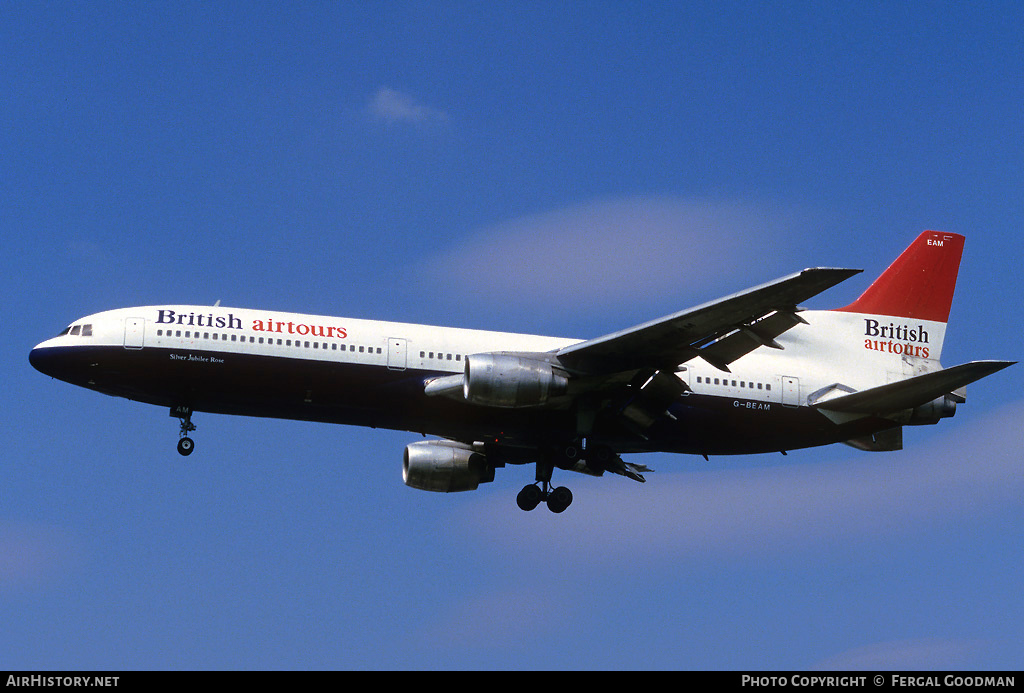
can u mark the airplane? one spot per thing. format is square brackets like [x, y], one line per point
[749, 373]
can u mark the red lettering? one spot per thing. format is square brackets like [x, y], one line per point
[897, 348]
[293, 327]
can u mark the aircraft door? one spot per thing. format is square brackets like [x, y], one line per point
[790, 391]
[134, 333]
[398, 352]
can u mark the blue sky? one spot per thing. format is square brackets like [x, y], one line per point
[556, 168]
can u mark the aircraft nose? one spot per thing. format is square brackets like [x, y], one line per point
[38, 358]
[46, 360]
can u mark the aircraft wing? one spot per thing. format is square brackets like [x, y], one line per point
[719, 332]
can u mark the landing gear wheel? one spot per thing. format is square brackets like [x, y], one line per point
[530, 497]
[559, 499]
[186, 446]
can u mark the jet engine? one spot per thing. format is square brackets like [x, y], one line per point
[508, 381]
[939, 408]
[444, 466]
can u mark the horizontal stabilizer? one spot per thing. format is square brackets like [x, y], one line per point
[912, 392]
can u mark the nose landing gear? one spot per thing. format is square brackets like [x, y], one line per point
[185, 444]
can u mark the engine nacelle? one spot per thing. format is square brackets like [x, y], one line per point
[444, 466]
[939, 408]
[508, 381]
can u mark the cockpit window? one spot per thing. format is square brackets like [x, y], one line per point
[77, 331]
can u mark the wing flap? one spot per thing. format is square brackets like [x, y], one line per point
[746, 338]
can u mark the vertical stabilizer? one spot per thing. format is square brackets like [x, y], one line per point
[905, 311]
[919, 284]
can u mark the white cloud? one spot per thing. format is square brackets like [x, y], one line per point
[504, 619]
[905, 655]
[31, 554]
[617, 252]
[969, 471]
[393, 106]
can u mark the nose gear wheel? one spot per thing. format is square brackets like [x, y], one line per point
[185, 444]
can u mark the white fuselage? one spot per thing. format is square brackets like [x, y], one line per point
[267, 363]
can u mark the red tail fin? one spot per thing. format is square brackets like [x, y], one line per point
[919, 284]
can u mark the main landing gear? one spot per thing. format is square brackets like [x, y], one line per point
[185, 444]
[558, 499]
[578, 456]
